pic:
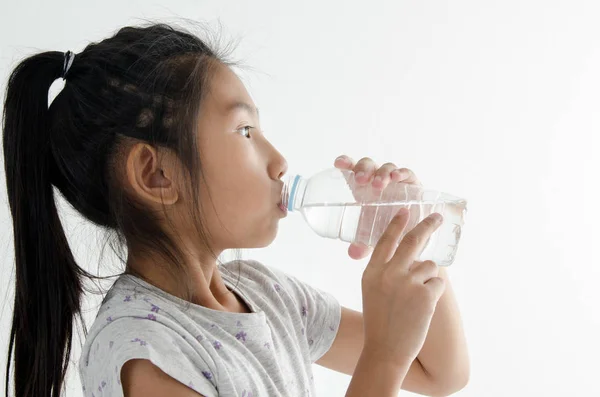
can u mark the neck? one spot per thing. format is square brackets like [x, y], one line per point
[209, 290]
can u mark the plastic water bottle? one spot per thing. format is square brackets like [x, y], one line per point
[336, 207]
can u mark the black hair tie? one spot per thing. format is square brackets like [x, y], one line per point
[69, 56]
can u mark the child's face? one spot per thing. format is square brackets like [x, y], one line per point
[241, 168]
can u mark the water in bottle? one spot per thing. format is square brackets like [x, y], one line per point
[335, 206]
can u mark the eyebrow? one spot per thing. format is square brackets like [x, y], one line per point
[243, 105]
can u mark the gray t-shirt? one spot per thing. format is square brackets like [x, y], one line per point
[268, 352]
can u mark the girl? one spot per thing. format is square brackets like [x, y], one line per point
[155, 138]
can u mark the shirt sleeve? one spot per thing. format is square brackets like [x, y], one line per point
[138, 338]
[319, 310]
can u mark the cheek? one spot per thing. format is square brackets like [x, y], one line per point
[245, 202]
[238, 195]
[237, 204]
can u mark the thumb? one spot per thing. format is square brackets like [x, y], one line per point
[359, 251]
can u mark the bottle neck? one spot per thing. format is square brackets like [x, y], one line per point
[293, 192]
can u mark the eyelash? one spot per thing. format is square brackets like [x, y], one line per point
[249, 127]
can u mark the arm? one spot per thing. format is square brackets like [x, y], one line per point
[346, 353]
[444, 355]
[374, 377]
[441, 367]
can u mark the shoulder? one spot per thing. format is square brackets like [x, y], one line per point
[135, 325]
[256, 271]
[280, 280]
[284, 288]
[144, 340]
[254, 274]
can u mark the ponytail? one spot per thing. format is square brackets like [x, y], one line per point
[48, 285]
[141, 84]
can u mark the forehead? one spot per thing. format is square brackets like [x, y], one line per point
[226, 89]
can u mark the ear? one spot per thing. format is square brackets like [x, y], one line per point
[149, 177]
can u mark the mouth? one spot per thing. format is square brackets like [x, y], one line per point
[282, 204]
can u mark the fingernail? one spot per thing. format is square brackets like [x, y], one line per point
[377, 179]
[360, 174]
[341, 158]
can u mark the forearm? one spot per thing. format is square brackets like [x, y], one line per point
[444, 354]
[375, 377]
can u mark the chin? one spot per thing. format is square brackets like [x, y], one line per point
[259, 237]
[252, 243]
[264, 239]
[266, 242]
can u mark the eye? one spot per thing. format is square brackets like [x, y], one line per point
[245, 130]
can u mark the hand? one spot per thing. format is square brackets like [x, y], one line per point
[400, 294]
[379, 178]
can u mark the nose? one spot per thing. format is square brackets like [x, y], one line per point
[278, 166]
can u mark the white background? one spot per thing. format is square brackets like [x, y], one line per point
[494, 101]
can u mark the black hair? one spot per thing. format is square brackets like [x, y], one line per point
[143, 84]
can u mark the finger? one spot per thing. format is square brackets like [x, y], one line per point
[359, 251]
[364, 170]
[344, 162]
[405, 175]
[425, 270]
[415, 240]
[438, 285]
[382, 176]
[367, 218]
[388, 242]
[374, 219]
